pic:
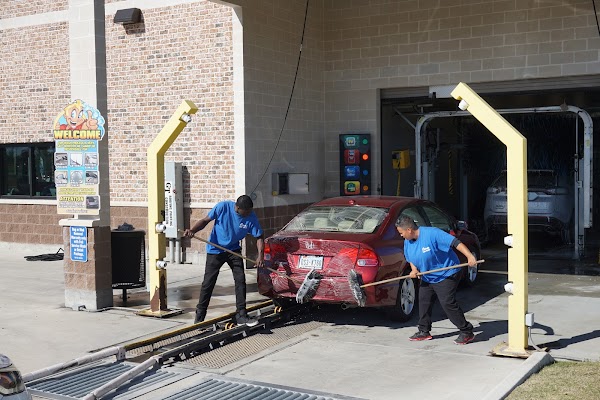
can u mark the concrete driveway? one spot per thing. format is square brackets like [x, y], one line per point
[355, 352]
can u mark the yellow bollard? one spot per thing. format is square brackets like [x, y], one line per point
[156, 204]
[516, 150]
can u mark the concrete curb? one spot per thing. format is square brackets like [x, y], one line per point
[532, 365]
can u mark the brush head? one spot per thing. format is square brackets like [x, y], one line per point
[355, 281]
[309, 287]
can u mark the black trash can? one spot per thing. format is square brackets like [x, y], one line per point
[128, 260]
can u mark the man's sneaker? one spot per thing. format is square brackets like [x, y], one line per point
[420, 336]
[464, 338]
[242, 318]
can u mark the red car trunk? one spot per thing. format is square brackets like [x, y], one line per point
[333, 259]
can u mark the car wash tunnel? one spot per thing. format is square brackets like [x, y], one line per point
[463, 166]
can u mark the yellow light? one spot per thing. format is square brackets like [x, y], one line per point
[365, 188]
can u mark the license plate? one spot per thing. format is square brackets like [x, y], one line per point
[310, 262]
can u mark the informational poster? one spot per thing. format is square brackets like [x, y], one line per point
[77, 131]
[78, 243]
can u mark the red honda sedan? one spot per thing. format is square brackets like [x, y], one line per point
[339, 234]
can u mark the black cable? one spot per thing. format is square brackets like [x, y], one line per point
[289, 102]
[47, 257]
[596, 15]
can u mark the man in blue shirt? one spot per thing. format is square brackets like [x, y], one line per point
[427, 248]
[233, 221]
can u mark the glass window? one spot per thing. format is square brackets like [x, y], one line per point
[353, 219]
[416, 216]
[437, 218]
[27, 170]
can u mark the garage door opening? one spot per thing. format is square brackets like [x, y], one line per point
[461, 159]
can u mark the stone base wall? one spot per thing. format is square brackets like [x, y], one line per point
[30, 223]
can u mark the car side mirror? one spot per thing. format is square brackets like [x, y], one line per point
[462, 225]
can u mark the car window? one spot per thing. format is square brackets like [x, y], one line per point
[413, 212]
[437, 218]
[535, 179]
[353, 219]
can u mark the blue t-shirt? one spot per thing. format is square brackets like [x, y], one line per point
[230, 227]
[432, 250]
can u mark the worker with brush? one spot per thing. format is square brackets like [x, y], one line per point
[233, 221]
[428, 248]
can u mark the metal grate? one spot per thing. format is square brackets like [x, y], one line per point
[77, 383]
[251, 345]
[221, 389]
[150, 348]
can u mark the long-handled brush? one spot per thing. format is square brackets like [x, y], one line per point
[356, 285]
[247, 259]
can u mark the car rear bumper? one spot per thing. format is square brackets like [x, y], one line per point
[536, 223]
[332, 290]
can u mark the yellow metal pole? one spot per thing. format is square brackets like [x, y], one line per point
[516, 153]
[156, 204]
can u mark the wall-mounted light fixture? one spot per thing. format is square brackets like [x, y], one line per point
[128, 16]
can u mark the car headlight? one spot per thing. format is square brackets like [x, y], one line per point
[11, 381]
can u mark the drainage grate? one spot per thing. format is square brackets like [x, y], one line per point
[77, 383]
[221, 389]
[251, 345]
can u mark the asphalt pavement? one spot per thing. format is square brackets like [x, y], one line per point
[354, 353]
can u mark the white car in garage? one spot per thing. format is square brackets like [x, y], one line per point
[550, 204]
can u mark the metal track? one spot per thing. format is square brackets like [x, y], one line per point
[211, 345]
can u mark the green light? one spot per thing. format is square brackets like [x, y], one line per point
[365, 141]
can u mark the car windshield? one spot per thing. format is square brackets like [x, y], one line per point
[535, 178]
[353, 219]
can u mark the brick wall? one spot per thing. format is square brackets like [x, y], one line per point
[34, 82]
[13, 9]
[25, 223]
[272, 35]
[389, 44]
[152, 67]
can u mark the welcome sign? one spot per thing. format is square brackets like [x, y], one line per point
[77, 131]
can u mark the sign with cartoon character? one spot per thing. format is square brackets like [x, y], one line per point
[77, 131]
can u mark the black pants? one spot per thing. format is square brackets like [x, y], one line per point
[211, 272]
[445, 291]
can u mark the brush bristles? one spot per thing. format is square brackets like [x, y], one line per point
[355, 281]
[309, 287]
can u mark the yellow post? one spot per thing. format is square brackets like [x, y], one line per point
[156, 205]
[516, 152]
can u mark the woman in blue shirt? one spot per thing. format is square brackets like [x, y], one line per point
[428, 248]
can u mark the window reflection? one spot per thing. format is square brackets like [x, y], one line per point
[27, 170]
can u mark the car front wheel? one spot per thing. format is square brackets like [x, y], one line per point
[405, 302]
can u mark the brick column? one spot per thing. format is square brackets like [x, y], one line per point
[89, 284]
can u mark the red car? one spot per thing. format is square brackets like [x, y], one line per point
[339, 234]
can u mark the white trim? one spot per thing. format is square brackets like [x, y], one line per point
[35, 202]
[34, 19]
[112, 8]
[239, 141]
[144, 204]
[53, 17]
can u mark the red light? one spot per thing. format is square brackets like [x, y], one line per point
[365, 157]
[272, 250]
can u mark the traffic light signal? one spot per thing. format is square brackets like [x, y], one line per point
[355, 164]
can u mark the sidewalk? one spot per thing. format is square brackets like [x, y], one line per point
[355, 352]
